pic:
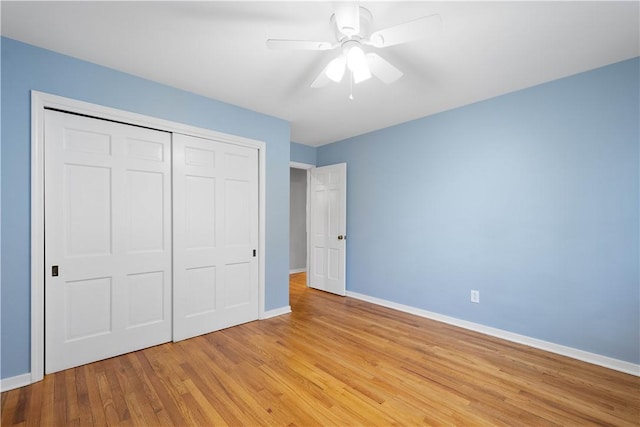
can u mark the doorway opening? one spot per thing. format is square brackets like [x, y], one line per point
[298, 224]
[297, 221]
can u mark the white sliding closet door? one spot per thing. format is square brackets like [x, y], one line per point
[215, 206]
[108, 239]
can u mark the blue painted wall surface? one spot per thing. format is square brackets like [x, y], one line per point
[303, 153]
[26, 68]
[532, 198]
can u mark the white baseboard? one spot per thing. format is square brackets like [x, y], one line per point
[585, 356]
[275, 312]
[7, 384]
[297, 270]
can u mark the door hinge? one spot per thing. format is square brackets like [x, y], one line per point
[254, 252]
[54, 270]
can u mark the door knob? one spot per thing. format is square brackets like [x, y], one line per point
[341, 237]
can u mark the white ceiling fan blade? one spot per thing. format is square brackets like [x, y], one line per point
[283, 44]
[409, 31]
[321, 81]
[348, 18]
[382, 69]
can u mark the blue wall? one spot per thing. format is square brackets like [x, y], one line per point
[24, 68]
[532, 198]
[303, 153]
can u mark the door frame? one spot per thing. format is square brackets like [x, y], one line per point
[307, 167]
[40, 101]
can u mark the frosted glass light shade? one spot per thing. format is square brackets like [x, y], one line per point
[357, 63]
[335, 69]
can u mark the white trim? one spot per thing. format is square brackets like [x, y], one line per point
[275, 312]
[307, 167]
[37, 236]
[10, 383]
[307, 219]
[297, 270]
[585, 356]
[262, 228]
[40, 101]
[298, 165]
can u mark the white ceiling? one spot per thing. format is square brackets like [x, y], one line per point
[217, 49]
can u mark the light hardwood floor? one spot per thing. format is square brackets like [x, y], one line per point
[333, 361]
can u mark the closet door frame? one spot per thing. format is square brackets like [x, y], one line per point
[41, 101]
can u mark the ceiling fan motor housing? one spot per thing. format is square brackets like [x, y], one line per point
[347, 31]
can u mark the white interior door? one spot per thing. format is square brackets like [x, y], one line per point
[327, 228]
[108, 235]
[215, 207]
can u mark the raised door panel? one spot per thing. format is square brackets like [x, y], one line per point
[87, 210]
[145, 211]
[200, 212]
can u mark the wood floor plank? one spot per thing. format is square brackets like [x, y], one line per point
[46, 408]
[71, 404]
[111, 411]
[60, 398]
[10, 414]
[85, 416]
[332, 361]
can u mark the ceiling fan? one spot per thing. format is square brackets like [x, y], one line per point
[353, 36]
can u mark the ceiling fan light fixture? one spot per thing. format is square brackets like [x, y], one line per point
[357, 63]
[361, 75]
[335, 69]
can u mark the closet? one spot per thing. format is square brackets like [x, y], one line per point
[150, 236]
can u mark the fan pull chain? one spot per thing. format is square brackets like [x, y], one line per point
[351, 87]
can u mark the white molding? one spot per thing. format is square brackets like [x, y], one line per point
[262, 228]
[307, 219]
[574, 353]
[37, 236]
[40, 101]
[275, 312]
[307, 167]
[18, 381]
[298, 165]
[297, 270]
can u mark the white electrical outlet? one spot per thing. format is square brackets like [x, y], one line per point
[475, 296]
